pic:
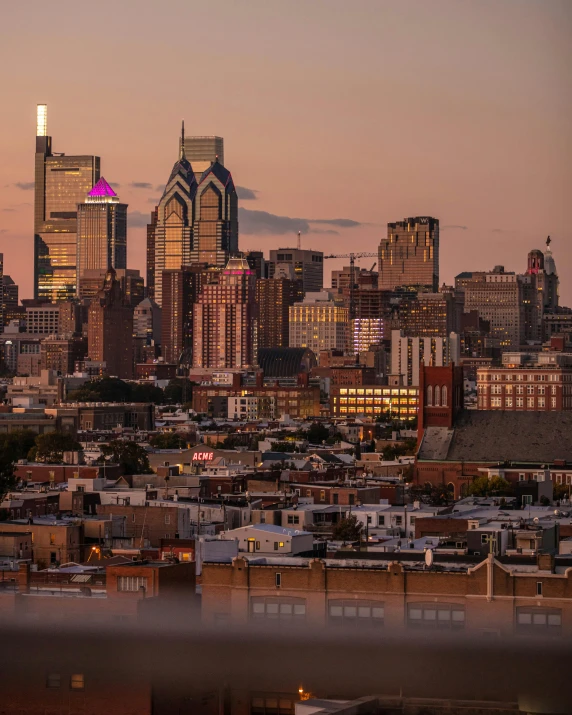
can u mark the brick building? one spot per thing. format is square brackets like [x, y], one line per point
[528, 388]
[147, 525]
[53, 541]
[487, 598]
[374, 401]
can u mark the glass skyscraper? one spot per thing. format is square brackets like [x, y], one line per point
[101, 232]
[61, 183]
[409, 256]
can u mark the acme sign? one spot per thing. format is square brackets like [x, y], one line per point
[203, 456]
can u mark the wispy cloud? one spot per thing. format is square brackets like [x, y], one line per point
[8, 209]
[3, 230]
[453, 225]
[25, 185]
[136, 219]
[262, 222]
[246, 194]
[140, 185]
[160, 187]
[114, 185]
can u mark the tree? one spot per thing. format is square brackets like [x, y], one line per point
[102, 389]
[13, 446]
[147, 393]
[174, 390]
[560, 491]
[50, 447]
[483, 486]
[168, 440]
[130, 456]
[283, 447]
[317, 433]
[348, 529]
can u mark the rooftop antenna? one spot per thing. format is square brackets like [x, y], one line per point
[299, 240]
[548, 242]
[182, 149]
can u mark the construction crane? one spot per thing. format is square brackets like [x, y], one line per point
[352, 257]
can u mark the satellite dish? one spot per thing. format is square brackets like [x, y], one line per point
[428, 558]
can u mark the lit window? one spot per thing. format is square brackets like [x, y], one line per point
[77, 681]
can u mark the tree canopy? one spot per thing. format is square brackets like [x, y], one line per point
[13, 446]
[317, 433]
[50, 447]
[169, 440]
[348, 529]
[112, 389]
[129, 455]
[483, 486]
[179, 390]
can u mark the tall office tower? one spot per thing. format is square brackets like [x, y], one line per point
[498, 298]
[341, 279]
[257, 262]
[308, 266]
[2, 305]
[110, 329]
[409, 256]
[203, 151]
[101, 232]
[173, 234]
[151, 227]
[10, 308]
[429, 314]
[130, 280]
[215, 229]
[274, 297]
[147, 321]
[224, 319]
[61, 183]
[407, 354]
[319, 323]
[543, 292]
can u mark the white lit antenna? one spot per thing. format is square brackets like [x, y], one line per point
[42, 120]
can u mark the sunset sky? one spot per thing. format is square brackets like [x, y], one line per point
[367, 111]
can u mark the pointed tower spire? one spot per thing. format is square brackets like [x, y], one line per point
[182, 149]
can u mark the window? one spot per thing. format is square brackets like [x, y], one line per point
[167, 519]
[380, 520]
[77, 681]
[54, 680]
[293, 518]
[336, 498]
[356, 613]
[131, 583]
[278, 608]
[278, 580]
[541, 402]
[530, 402]
[538, 620]
[508, 401]
[539, 588]
[429, 396]
[352, 499]
[398, 520]
[437, 396]
[444, 396]
[322, 495]
[436, 615]
[52, 539]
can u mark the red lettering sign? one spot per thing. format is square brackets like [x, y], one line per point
[203, 456]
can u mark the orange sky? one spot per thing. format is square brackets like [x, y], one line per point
[363, 110]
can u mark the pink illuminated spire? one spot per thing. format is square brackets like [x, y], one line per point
[101, 190]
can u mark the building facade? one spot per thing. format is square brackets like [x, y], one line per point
[539, 388]
[203, 151]
[110, 329]
[308, 266]
[101, 232]
[274, 297]
[407, 354]
[409, 256]
[61, 183]
[224, 319]
[374, 401]
[319, 323]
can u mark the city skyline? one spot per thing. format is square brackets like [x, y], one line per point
[484, 135]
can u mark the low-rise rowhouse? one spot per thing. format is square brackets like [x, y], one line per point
[267, 539]
[489, 598]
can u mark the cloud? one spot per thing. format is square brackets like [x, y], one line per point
[8, 209]
[114, 185]
[3, 230]
[462, 228]
[25, 185]
[160, 188]
[140, 185]
[136, 219]
[502, 230]
[152, 200]
[246, 194]
[262, 222]
[341, 222]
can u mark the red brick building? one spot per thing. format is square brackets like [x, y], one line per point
[539, 389]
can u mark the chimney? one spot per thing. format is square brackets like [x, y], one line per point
[24, 578]
[545, 561]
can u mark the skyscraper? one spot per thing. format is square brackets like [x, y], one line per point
[101, 232]
[151, 228]
[110, 329]
[61, 183]
[308, 266]
[320, 322]
[173, 234]
[274, 297]
[215, 231]
[224, 319]
[203, 151]
[409, 256]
